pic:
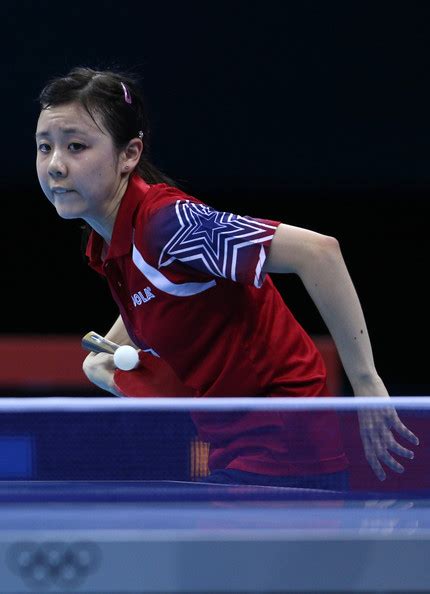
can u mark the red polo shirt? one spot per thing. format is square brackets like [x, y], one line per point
[187, 280]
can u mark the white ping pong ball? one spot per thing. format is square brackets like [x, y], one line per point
[126, 357]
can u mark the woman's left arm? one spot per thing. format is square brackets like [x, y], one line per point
[318, 261]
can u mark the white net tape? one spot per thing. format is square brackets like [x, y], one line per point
[211, 404]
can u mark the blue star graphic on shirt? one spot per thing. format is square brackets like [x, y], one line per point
[212, 237]
[207, 223]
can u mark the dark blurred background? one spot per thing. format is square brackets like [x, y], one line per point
[315, 113]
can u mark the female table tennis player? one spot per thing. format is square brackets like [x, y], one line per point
[192, 287]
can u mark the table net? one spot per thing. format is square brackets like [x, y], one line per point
[183, 440]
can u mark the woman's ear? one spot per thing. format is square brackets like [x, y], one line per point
[131, 155]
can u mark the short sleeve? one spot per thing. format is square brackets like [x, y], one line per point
[213, 242]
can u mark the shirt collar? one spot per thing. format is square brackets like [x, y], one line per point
[122, 234]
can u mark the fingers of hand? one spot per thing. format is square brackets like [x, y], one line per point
[385, 457]
[378, 425]
[375, 465]
[378, 440]
[377, 454]
[402, 430]
[397, 448]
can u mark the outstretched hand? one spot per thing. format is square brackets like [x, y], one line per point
[376, 428]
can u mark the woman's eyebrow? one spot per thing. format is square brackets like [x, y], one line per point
[63, 130]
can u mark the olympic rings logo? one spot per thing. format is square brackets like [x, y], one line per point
[42, 565]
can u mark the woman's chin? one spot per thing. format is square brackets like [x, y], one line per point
[69, 205]
[69, 213]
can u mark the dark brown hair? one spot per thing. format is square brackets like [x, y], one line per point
[114, 97]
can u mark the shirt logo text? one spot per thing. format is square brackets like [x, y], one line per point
[142, 297]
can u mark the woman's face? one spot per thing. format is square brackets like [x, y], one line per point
[78, 167]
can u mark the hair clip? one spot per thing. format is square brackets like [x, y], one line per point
[127, 95]
[140, 134]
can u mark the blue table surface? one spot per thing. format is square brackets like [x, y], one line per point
[182, 491]
[151, 536]
[176, 505]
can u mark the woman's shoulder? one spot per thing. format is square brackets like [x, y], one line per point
[161, 195]
[160, 202]
[160, 211]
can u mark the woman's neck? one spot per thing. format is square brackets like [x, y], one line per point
[103, 223]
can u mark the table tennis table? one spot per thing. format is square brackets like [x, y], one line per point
[171, 536]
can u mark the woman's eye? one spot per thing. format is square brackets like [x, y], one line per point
[75, 147]
[43, 147]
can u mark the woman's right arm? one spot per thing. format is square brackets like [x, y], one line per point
[119, 334]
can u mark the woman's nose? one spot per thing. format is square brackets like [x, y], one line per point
[57, 167]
